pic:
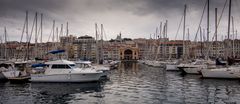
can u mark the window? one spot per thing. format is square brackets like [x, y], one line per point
[83, 65]
[60, 66]
[73, 65]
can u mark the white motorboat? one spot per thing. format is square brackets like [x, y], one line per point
[112, 64]
[15, 69]
[172, 66]
[16, 72]
[88, 64]
[155, 63]
[141, 61]
[232, 72]
[195, 67]
[8, 70]
[65, 71]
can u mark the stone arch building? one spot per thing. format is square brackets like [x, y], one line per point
[129, 53]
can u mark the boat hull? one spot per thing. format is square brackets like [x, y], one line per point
[105, 73]
[81, 77]
[2, 77]
[220, 74]
[193, 70]
[19, 80]
[11, 73]
[170, 67]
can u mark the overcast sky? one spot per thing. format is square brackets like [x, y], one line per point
[133, 18]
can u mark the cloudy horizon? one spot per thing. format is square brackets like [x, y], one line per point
[133, 18]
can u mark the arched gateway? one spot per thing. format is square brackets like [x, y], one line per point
[129, 53]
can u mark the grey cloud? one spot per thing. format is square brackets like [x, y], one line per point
[130, 16]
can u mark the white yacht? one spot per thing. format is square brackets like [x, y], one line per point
[196, 67]
[155, 63]
[113, 64]
[88, 64]
[172, 65]
[9, 70]
[17, 69]
[141, 61]
[4, 67]
[232, 72]
[65, 71]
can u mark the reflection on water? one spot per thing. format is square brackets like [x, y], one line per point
[130, 83]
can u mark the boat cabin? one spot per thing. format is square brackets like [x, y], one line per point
[83, 64]
[60, 64]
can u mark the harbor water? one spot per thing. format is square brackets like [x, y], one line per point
[131, 83]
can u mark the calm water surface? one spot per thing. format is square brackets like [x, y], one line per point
[131, 83]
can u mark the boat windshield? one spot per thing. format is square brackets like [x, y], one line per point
[73, 65]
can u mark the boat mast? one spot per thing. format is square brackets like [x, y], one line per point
[201, 39]
[67, 30]
[229, 17]
[5, 38]
[184, 24]
[160, 37]
[2, 47]
[97, 54]
[27, 53]
[156, 46]
[228, 33]
[233, 38]
[165, 39]
[41, 27]
[188, 34]
[208, 20]
[164, 32]
[216, 24]
[208, 50]
[53, 37]
[236, 34]
[27, 26]
[41, 36]
[160, 30]
[57, 35]
[36, 36]
[216, 55]
[101, 43]
[166, 28]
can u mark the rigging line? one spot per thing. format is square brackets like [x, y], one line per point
[98, 34]
[237, 5]
[32, 29]
[24, 25]
[50, 35]
[200, 21]
[179, 27]
[104, 32]
[23, 31]
[38, 34]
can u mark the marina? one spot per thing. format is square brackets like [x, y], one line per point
[130, 83]
[138, 52]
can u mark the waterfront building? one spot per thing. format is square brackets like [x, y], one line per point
[217, 49]
[158, 49]
[66, 43]
[129, 51]
[84, 48]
